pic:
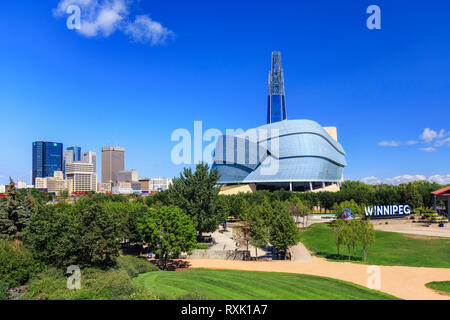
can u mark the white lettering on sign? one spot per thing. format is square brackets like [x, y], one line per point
[393, 210]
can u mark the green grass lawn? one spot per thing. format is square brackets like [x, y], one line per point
[440, 286]
[252, 285]
[390, 248]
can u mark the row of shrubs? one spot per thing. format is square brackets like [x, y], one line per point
[423, 210]
[17, 267]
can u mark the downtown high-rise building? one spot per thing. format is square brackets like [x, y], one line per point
[71, 154]
[81, 176]
[90, 157]
[76, 153]
[113, 161]
[276, 107]
[47, 158]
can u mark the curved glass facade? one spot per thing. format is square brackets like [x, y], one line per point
[285, 151]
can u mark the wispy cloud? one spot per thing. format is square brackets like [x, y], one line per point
[101, 18]
[430, 140]
[389, 143]
[406, 178]
[144, 30]
[428, 149]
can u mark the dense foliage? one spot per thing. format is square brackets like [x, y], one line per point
[112, 284]
[416, 194]
[168, 231]
[197, 194]
[15, 212]
[16, 264]
[85, 234]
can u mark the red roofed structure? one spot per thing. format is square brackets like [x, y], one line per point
[442, 195]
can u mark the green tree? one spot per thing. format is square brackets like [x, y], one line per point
[411, 195]
[168, 231]
[97, 233]
[338, 229]
[84, 234]
[13, 215]
[297, 209]
[366, 235]
[197, 195]
[283, 231]
[349, 237]
[326, 200]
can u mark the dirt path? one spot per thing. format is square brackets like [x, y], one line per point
[403, 282]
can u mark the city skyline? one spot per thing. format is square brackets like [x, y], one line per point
[386, 90]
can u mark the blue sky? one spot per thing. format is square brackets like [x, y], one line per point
[133, 76]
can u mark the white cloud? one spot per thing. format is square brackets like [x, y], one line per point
[144, 29]
[406, 178]
[428, 135]
[431, 140]
[104, 17]
[445, 179]
[371, 180]
[428, 149]
[389, 143]
[442, 142]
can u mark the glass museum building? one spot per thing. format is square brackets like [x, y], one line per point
[297, 155]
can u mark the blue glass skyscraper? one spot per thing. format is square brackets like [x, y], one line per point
[76, 153]
[276, 109]
[47, 158]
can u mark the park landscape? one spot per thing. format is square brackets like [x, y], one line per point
[109, 236]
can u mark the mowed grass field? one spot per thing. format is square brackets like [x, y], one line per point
[390, 248]
[253, 285]
[442, 287]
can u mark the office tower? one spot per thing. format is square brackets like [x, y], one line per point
[76, 153]
[82, 176]
[71, 154]
[47, 158]
[67, 158]
[90, 157]
[127, 176]
[113, 161]
[276, 109]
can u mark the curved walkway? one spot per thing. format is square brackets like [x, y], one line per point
[403, 282]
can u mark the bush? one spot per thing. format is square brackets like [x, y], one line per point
[201, 246]
[16, 263]
[3, 289]
[96, 284]
[135, 265]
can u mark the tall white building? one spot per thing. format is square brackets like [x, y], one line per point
[90, 157]
[83, 177]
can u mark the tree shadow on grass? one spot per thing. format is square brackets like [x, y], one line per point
[337, 257]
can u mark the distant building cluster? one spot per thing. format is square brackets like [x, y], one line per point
[55, 170]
